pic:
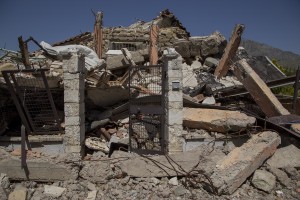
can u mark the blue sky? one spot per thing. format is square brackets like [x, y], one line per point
[273, 22]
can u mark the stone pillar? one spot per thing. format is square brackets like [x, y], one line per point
[74, 67]
[174, 96]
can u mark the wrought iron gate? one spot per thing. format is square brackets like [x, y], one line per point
[147, 130]
[32, 97]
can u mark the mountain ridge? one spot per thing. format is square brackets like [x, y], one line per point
[286, 59]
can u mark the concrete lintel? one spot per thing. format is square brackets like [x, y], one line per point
[242, 161]
[258, 89]
[37, 171]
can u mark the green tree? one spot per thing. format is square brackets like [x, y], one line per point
[288, 71]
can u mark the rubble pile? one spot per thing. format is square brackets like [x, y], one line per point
[232, 147]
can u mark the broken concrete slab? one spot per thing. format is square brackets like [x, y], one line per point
[162, 166]
[242, 161]
[154, 166]
[37, 171]
[216, 120]
[285, 157]
[264, 180]
[258, 89]
[53, 191]
[119, 61]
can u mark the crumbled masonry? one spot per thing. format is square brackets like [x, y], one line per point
[146, 112]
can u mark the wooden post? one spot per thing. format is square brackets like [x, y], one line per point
[230, 51]
[98, 35]
[153, 44]
[258, 89]
[24, 51]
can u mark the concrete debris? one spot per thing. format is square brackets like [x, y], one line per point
[209, 101]
[19, 193]
[281, 176]
[53, 191]
[264, 180]
[206, 144]
[137, 166]
[216, 120]
[96, 144]
[211, 62]
[92, 195]
[242, 161]
[4, 181]
[173, 181]
[3, 195]
[119, 61]
[285, 157]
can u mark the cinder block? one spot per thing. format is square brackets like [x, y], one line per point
[175, 74]
[74, 63]
[74, 109]
[74, 96]
[175, 117]
[74, 121]
[175, 96]
[74, 84]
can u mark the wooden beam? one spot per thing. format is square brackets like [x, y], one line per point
[98, 34]
[153, 44]
[230, 51]
[24, 51]
[258, 89]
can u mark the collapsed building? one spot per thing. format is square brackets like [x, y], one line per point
[151, 89]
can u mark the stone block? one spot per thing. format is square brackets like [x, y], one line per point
[242, 161]
[175, 105]
[175, 74]
[175, 96]
[74, 109]
[74, 84]
[77, 149]
[264, 180]
[18, 194]
[183, 48]
[69, 76]
[285, 157]
[74, 63]
[53, 191]
[74, 96]
[175, 117]
[74, 121]
[281, 176]
[216, 120]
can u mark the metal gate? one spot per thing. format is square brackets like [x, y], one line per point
[147, 130]
[32, 97]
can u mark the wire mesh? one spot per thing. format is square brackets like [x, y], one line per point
[36, 100]
[147, 112]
